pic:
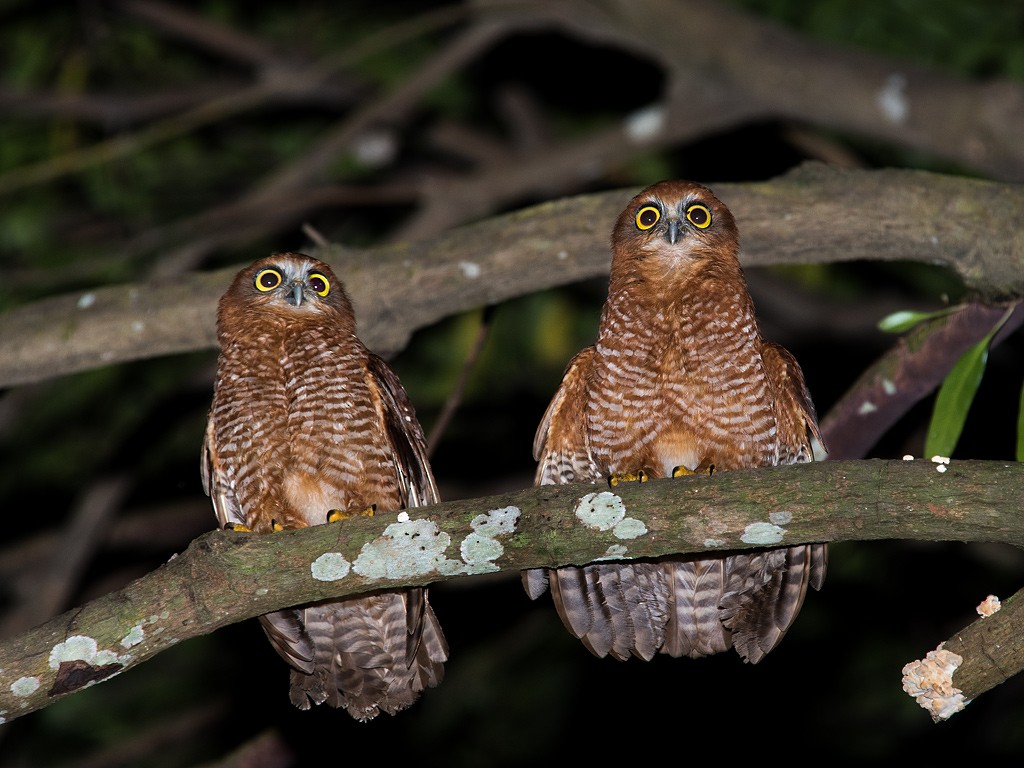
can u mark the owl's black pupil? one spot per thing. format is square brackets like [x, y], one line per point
[317, 284]
[268, 280]
[698, 216]
[647, 218]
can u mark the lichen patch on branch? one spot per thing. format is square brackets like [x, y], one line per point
[605, 512]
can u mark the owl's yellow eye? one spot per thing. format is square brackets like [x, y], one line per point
[268, 279]
[699, 216]
[647, 217]
[319, 283]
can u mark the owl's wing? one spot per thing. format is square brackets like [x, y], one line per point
[561, 446]
[799, 437]
[425, 640]
[216, 485]
[404, 434]
[765, 590]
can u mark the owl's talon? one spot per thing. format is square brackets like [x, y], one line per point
[239, 527]
[628, 477]
[335, 515]
[704, 468]
[276, 526]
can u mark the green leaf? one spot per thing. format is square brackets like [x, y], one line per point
[954, 400]
[956, 395]
[905, 319]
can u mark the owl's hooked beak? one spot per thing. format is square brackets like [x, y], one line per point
[674, 230]
[297, 293]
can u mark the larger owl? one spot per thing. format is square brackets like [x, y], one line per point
[307, 426]
[679, 381]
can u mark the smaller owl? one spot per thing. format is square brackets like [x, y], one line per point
[307, 427]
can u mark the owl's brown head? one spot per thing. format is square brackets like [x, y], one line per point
[291, 286]
[674, 231]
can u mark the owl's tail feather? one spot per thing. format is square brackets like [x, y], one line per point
[287, 633]
[616, 610]
[694, 628]
[765, 592]
[372, 654]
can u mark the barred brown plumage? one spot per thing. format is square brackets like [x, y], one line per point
[306, 422]
[678, 381]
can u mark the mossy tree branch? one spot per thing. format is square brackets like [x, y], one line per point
[226, 577]
[815, 214]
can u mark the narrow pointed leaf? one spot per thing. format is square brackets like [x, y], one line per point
[905, 319]
[954, 401]
[956, 395]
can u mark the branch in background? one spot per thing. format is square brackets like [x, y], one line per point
[210, 585]
[82, 536]
[913, 368]
[767, 72]
[400, 288]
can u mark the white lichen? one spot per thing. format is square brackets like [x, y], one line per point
[629, 528]
[25, 686]
[614, 552]
[470, 269]
[406, 548]
[86, 300]
[84, 648]
[497, 522]
[930, 682]
[601, 511]
[866, 407]
[330, 566]
[481, 548]
[762, 534]
[605, 511]
[908, 457]
[75, 648]
[780, 518]
[712, 543]
[134, 637]
[889, 387]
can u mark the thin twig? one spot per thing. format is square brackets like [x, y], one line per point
[459, 388]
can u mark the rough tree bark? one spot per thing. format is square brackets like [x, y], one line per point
[215, 581]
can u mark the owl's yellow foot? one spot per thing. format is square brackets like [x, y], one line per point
[276, 526]
[704, 468]
[337, 514]
[628, 477]
[237, 527]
